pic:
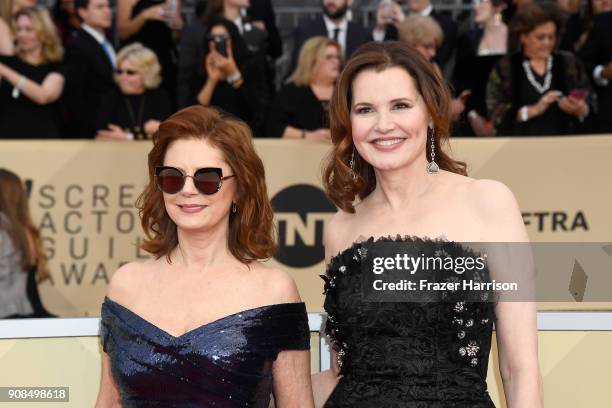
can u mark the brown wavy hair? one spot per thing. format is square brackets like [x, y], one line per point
[337, 178]
[17, 222]
[251, 228]
[530, 16]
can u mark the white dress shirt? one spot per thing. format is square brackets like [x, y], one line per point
[342, 27]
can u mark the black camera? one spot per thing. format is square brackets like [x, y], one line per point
[220, 41]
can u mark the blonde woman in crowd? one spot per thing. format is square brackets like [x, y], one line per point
[301, 108]
[426, 35]
[32, 80]
[8, 8]
[135, 109]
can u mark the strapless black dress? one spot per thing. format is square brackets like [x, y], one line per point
[225, 363]
[405, 354]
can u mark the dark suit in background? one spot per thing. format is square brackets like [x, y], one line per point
[261, 10]
[356, 35]
[191, 63]
[598, 51]
[89, 76]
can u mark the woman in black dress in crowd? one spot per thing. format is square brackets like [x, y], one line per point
[32, 79]
[301, 108]
[204, 323]
[537, 90]
[233, 79]
[134, 110]
[478, 50]
[153, 23]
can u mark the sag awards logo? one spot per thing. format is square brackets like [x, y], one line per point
[88, 230]
[301, 211]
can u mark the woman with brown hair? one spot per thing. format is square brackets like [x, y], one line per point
[204, 323]
[22, 260]
[537, 90]
[394, 182]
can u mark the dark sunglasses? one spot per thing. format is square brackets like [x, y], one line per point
[130, 72]
[207, 180]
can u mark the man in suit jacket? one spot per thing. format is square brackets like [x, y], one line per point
[261, 12]
[390, 14]
[597, 56]
[90, 63]
[333, 23]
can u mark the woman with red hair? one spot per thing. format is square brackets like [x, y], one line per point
[204, 323]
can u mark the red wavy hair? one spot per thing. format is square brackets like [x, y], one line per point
[251, 231]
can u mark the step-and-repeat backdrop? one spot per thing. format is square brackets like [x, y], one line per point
[82, 196]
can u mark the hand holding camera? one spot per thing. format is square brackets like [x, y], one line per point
[220, 63]
[388, 12]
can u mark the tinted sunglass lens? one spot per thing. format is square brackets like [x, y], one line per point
[207, 182]
[170, 181]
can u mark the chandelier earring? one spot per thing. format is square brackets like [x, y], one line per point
[352, 166]
[432, 166]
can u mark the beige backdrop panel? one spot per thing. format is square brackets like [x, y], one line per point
[576, 368]
[83, 194]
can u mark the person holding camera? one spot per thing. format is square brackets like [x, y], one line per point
[232, 79]
[390, 15]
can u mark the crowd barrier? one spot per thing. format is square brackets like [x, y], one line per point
[574, 359]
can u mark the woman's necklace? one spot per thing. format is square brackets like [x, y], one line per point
[139, 133]
[547, 78]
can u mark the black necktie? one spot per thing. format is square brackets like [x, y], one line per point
[336, 34]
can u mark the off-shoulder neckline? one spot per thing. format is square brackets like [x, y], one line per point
[254, 310]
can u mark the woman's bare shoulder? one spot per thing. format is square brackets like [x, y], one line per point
[498, 209]
[126, 280]
[491, 196]
[275, 284]
[337, 231]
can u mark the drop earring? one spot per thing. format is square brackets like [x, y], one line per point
[352, 166]
[234, 209]
[497, 19]
[432, 166]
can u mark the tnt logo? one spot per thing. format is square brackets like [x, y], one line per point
[301, 210]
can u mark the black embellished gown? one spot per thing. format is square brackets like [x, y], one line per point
[226, 363]
[406, 354]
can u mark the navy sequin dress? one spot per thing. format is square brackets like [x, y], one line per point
[225, 363]
[405, 354]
